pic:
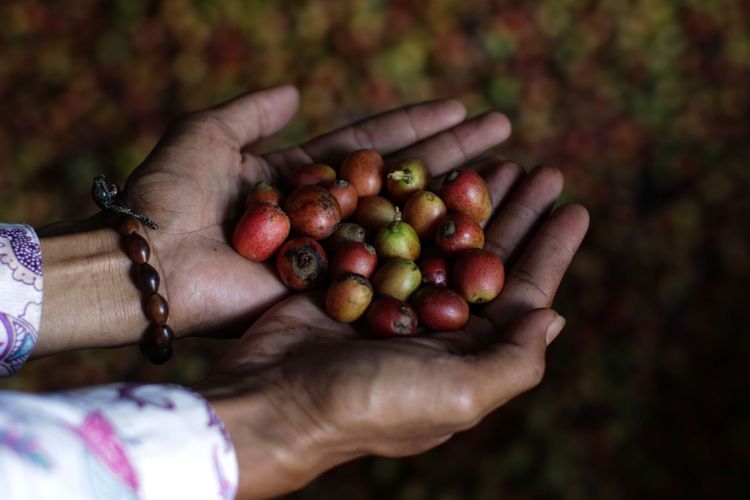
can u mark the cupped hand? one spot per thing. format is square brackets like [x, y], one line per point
[193, 183]
[396, 397]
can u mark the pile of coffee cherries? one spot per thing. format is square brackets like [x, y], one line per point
[388, 249]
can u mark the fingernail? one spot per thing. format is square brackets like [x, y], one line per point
[554, 328]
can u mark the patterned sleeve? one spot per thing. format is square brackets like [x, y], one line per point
[20, 295]
[123, 441]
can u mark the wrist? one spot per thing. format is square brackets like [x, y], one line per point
[279, 446]
[89, 296]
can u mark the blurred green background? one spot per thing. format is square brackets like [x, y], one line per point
[645, 105]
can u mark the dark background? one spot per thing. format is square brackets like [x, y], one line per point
[645, 105]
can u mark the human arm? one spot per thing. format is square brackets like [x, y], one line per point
[124, 440]
[91, 303]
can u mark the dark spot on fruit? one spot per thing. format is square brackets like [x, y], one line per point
[358, 278]
[452, 175]
[401, 327]
[306, 263]
[328, 201]
[448, 229]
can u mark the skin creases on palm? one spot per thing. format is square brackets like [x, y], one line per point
[192, 185]
[405, 395]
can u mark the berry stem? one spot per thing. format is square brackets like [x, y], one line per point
[401, 175]
[397, 216]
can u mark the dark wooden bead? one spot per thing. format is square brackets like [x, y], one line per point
[159, 356]
[157, 309]
[148, 279]
[159, 336]
[128, 226]
[138, 249]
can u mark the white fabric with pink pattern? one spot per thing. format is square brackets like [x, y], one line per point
[111, 442]
[122, 441]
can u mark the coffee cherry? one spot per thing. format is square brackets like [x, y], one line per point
[302, 263]
[313, 211]
[397, 278]
[465, 191]
[478, 275]
[458, 232]
[261, 231]
[439, 308]
[389, 317]
[363, 169]
[348, 297]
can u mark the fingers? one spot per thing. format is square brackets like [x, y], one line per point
[460, 144]
[386, 133]
[257, 114]
[516, 364]
[533, 280]
[501, 178]
[520, 215]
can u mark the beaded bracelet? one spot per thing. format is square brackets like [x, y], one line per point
[157, 342]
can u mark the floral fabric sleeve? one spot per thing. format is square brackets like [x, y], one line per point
[112, 442]
[122, 441]
[20, 295]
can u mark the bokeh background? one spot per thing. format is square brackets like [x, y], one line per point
[645, 106]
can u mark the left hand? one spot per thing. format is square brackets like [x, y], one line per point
[193, 185]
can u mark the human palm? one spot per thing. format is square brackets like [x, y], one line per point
[401, 396]
[192, 186]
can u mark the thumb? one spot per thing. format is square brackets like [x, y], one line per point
[255, 115]
[516, 363]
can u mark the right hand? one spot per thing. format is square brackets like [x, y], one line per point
[337, 395]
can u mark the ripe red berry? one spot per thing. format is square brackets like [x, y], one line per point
[478, 275]
[363, 169]
[440, 308]
[466, 192]
[354, 257]
[302, 263]
[313, 211]
[435, 271]
[260, 231]
[389, 317]
[345, 194]
[458, 232]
